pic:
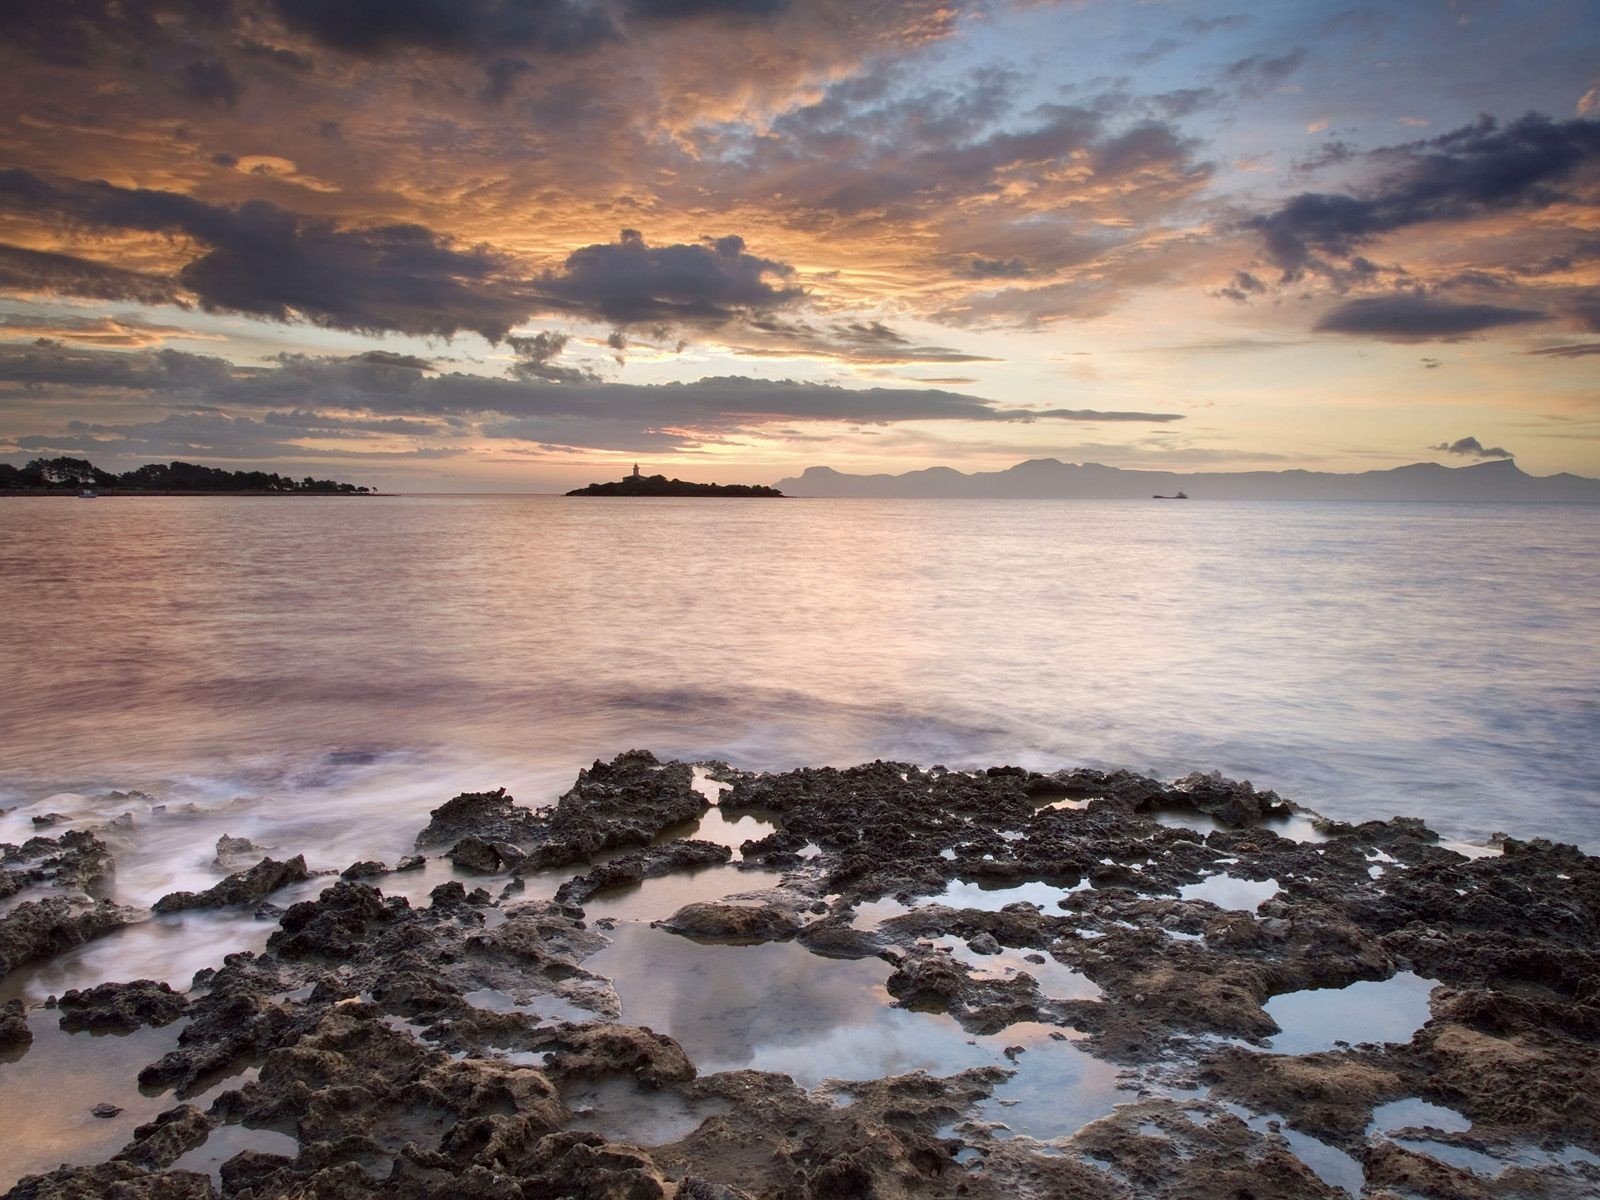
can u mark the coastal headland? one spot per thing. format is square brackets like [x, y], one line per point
[687, 980]
[77, 476]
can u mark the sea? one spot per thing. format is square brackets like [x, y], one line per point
[318, 673]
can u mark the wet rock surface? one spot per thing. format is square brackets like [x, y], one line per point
[14, 1031]
[38, 929]
[240, 888]
[1126, 982]
[121, 1007]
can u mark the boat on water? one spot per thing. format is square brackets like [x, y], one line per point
[86, 494]
[1179, 496]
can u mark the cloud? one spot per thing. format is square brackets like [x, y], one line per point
[997, 268]
[128, 330]
[215, 435]
[265, 261]
[630, 282]
[370, 27]
[1479, 169]
[209, 82]
[1471, 447]
[70, 34]
[1572, 350]
[597, 415]
[854, 341]
[1243, 286]
[1261, 72]
[36, 272]
[536, 357]
[1419, 319]
[46, 363]
[687, 9]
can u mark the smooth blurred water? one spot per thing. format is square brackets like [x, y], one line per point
[318, 673]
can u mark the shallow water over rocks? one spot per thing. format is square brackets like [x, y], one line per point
[1046, 1029]
[1388, 1010]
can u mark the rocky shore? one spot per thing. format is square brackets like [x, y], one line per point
[1102, 986]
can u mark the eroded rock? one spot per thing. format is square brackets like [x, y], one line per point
[121, 1007]
[241, 888]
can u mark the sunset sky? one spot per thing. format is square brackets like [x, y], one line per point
[469, 245]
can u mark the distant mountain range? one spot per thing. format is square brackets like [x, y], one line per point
[1049, 478]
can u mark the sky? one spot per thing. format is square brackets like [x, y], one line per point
[518, 245]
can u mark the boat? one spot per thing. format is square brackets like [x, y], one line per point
[86, 494]
[1179, 496]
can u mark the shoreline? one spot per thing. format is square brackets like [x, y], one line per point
[1092, 979]
[130, 493]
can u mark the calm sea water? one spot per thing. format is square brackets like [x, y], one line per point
[318, 673]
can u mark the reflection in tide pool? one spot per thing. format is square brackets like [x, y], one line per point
[1332, 1165]
[1416, 1113]
[1056, 980]
[962, 893]
[1388, 1010]
[1297, 826]
[1231, 892]
[223, 1142]
[1057, 1089]
[778, 1007]
[46, 1094]
[658, 898]
[166, 949]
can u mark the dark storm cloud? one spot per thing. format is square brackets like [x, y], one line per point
[1479, 169]
[494, 27]
[49, 363]
[688, 9]
[630, 282]
[209, 82]
[1471, 447]
[39, 271]
[68, 33]
[265, 261]
[1419, 319]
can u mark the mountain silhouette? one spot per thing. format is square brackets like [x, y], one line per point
[1051, 479]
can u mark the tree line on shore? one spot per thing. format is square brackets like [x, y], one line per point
[70, 474]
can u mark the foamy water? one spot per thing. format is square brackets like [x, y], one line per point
[316, 674]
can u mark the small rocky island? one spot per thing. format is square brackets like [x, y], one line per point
[659, 485]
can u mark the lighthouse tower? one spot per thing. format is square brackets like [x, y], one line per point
[636, 474]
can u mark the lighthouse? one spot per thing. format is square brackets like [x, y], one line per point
[636, 474]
